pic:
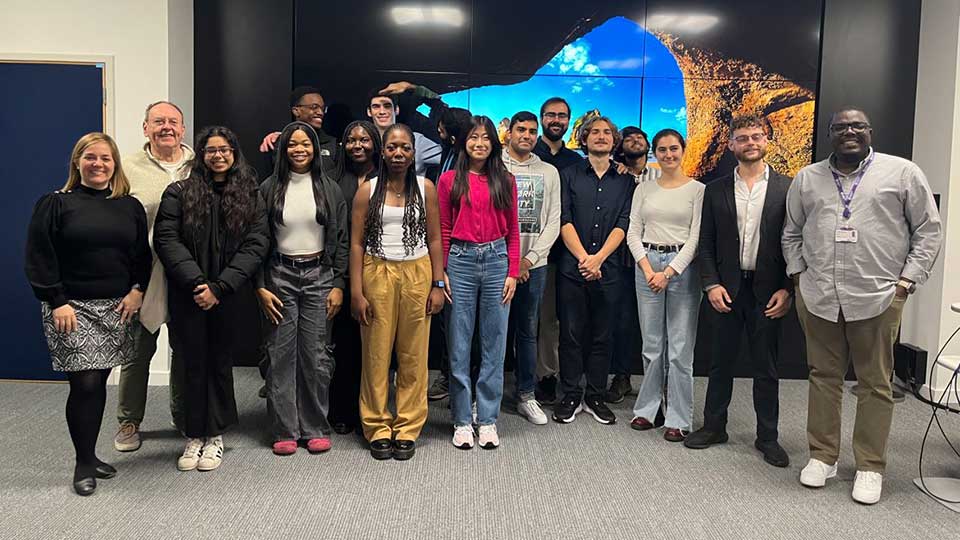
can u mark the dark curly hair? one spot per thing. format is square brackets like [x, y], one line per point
[239, 201]
[281, 173]
[414, 210]
[498, 178]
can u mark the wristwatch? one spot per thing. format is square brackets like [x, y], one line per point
[440, 284]
[909, 286]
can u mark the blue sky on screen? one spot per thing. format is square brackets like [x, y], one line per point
[604, 69]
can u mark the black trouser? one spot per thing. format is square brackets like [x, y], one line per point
[345, 386]
[587, 313]
[626, 339]
[747, 312]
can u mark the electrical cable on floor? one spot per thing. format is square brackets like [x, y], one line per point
[936, 407]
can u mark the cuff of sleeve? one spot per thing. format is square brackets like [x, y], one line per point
[217, 289]
[711, 286]
[795, 267]
[58, 300]
[532, 257]
[914, 273]
[339, 283]
[424, 92]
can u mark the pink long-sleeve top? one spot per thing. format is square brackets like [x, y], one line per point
[478, 220]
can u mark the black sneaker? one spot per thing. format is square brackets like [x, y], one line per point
[619, 388]
[599, 410]
[439, 389]
[546, 390]
[567, 409]
[705, 438]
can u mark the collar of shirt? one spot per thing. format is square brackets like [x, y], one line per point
[612, 167]
[766, 174]
[832, 160]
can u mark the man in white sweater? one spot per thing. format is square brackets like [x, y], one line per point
[538, 208]
[163, 159]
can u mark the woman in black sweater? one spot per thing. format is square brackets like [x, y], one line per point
[88, 262]
[211, 234]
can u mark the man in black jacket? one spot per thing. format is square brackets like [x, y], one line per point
[307, 105]
[744, 276]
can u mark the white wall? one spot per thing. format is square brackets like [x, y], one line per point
[928, 321]
[150, 46]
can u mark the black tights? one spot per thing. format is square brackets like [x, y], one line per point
[88, 396]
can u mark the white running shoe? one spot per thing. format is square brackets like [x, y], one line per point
[867, 486]
[212, 454]
[463, 437]
[816, 473]
[191, 455]
[488, 437]
[530, 409]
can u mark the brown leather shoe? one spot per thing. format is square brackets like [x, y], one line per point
[674, 435]
[640, 423]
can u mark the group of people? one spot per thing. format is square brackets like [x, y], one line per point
[353, 250]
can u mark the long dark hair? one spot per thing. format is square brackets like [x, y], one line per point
[374, 135]
[281, 172]
[239, 195]
[414, 209]
[498, 178]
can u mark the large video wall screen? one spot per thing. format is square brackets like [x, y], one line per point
[683, 64]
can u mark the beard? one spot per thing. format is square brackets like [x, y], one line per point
[553, 136]
[742, 156]
[632, 155]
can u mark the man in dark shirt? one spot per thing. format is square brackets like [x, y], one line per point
[595, 214]
[555, 119]
[307, 105]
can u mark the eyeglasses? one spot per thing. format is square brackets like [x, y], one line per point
[756, 137]
[856, 127]
[556, 116]
[223, 150]
[312, 107]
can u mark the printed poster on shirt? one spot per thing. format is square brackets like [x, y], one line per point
[529, 201]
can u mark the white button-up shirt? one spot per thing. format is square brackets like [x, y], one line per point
[749, 211]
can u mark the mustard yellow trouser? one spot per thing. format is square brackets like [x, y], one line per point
[397, 292]
[831, 346]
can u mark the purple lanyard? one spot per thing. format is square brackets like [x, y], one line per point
[844, 199]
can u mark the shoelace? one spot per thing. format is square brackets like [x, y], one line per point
[213, 450]
[193, 448]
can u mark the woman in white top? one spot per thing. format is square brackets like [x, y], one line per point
[663, 235]
[302, 289]
[396, 284]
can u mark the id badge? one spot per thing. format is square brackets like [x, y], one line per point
[846, 235]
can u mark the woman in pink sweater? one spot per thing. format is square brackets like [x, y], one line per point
[481, 253]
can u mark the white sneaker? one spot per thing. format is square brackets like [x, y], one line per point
[867, 486]
[488, 437]
[212, 454]
[191, 455]
[463, 437]
[531, 410]
[816, 473]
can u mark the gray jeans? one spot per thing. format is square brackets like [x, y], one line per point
[300, 353]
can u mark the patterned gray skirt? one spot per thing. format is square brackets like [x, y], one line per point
[100, 341]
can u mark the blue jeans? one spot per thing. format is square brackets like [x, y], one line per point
[477, 273]
[525, 321]
[670, 316]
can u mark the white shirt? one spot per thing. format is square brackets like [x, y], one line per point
[749, 211]
[391, 233]
[300, 233]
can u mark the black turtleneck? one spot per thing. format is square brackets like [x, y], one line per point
[83, 245]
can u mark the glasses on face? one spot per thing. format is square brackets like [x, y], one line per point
[556, 116]
[313, 107]
[222, 150]
[756, 137]
[856, 127]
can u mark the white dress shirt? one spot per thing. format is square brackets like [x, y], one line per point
[749, 211]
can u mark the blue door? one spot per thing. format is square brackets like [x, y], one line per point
[44, 109]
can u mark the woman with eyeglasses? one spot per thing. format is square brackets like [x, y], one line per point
[301, 290]
[88, 262]
[211, 235]
[361, 158]
[663, 236]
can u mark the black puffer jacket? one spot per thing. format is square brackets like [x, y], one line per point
[212, 254]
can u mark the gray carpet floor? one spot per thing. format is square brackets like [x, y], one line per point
[582, 480]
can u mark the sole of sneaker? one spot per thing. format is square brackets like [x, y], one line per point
[569, 419]
[126, 447]
[403, 455]
[597, 417]
[815, 483]
[694, 445]
[208, 468]
[614, 399]
[464, 446]
[437, 397]
[489, 446]
[186, 467]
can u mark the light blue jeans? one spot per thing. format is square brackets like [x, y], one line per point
[477, 273]
[668, 319]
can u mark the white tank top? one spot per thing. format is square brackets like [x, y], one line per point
[391, 237]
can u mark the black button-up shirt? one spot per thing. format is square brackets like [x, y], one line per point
[595, 206]
[561, 160]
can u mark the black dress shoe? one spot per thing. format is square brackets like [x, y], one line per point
[104, 470]
[403, 450]
[342, 428]
[704, 438]
[773, 453]
[84, 482]
[381, 449]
